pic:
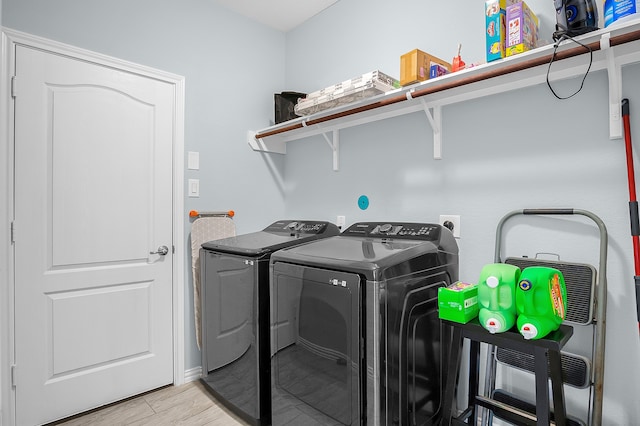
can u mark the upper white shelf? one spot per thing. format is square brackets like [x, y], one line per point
[612, 48]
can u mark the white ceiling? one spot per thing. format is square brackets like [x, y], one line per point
[283, 15]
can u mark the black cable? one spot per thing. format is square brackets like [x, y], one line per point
[559, 37]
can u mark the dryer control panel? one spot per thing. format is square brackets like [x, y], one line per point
[405, 230]
[297, 226]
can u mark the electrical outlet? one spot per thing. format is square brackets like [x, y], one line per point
[340, 222]
[452, 222]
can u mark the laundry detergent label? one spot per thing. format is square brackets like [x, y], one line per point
[623, 8]
[557, 299]
[615, 10]
[460, 286]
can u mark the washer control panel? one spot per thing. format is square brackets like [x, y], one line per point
[415, 231]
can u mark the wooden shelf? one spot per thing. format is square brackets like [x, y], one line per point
[612, 48]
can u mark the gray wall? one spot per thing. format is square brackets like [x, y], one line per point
[503, 152]
[4, 275]
[232, 68]
[516, 150]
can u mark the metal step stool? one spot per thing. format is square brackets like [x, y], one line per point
[586, 306]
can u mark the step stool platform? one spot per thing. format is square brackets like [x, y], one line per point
[546, 352]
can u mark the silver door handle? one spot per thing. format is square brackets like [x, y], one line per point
[162, 251]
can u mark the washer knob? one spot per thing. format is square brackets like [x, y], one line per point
[385, 228]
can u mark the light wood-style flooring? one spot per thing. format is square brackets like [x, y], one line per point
[189, 404]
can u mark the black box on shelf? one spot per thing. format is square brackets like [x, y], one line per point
[285, 103]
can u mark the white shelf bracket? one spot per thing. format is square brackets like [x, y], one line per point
[615, 88]
[334, 144]
[435, 120]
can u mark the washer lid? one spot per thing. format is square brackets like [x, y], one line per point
[340, 249]
[373, 248]
[280, 234]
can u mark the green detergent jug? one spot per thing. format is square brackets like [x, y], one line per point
[541, 301]
[496, 296]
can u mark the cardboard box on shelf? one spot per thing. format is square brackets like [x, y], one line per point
[415, 66]
[458, 302]
[495, 34]
[437, 70]
[522, 29]
[354, 83]
[365, 86]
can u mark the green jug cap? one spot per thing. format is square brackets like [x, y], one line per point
[528, 331]
[493, 325]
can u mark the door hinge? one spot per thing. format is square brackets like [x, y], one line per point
[13, 233]
[13, 375]
[14, 91]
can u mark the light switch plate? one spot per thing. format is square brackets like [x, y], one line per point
[193, 160]
[194, 188]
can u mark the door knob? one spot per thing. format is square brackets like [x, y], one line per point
[162, 251]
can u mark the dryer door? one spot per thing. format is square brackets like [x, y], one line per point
[317, 334]
[228, 308]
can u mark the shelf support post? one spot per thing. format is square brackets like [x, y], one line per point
[334, 144]
[435, 120]
[615, 88]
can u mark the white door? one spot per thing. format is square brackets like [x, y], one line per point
[93, 198]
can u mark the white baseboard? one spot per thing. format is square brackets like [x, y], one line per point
[192, 374]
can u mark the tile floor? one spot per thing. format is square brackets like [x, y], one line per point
[189, 404]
